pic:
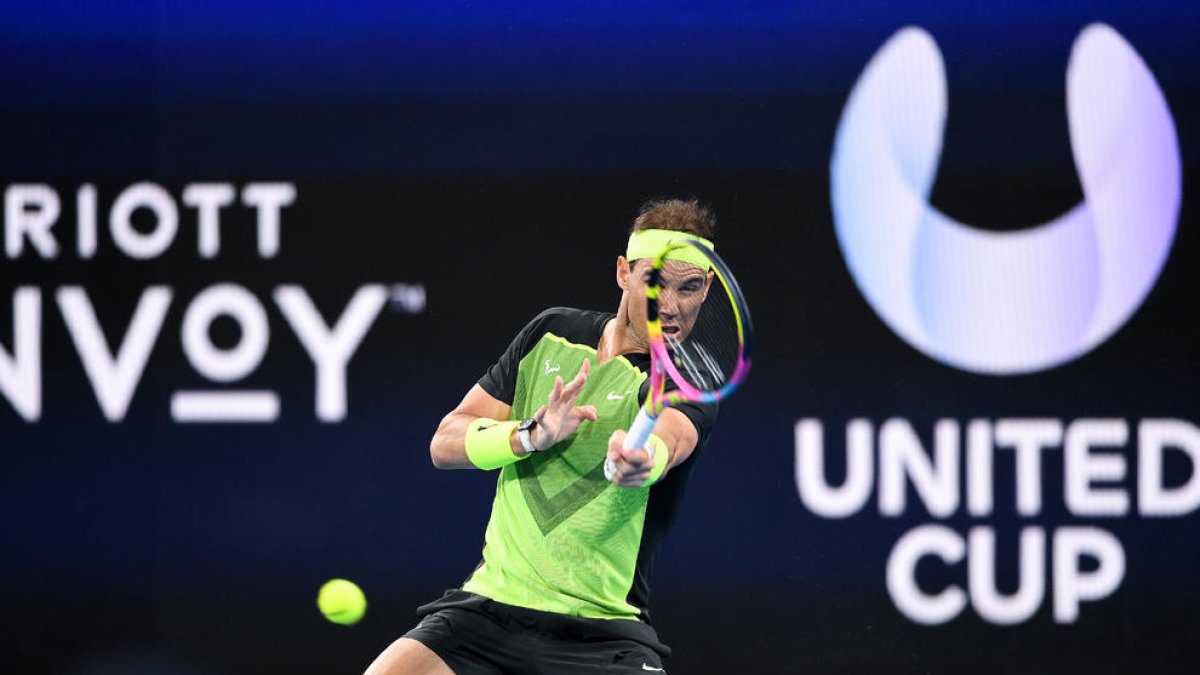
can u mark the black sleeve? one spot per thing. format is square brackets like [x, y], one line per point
[500, 380]
[702, 415]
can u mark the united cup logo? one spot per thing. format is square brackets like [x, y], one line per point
[1001, 304]
[1012, 302]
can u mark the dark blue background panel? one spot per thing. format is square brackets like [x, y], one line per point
[493, 155]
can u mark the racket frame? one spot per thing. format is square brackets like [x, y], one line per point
[661, 365]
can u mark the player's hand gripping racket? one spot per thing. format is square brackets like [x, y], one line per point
[699, 330]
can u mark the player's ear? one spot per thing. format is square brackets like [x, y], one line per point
[622, 273]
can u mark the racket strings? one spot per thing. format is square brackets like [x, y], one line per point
[707, 349]
[695, 363]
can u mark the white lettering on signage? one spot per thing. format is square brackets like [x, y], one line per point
[31, 210]
[1071, 581]
[115, 374]
[1092, 479]
[1155, 437]
[1087, 562]
[114, 371]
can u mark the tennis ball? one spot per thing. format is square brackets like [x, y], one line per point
[342, 601]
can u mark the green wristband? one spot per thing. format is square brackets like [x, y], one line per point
[489, 444]
[658, 449]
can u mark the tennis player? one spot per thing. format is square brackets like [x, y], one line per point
[563, 586]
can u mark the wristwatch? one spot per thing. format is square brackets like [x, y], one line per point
[525, 433]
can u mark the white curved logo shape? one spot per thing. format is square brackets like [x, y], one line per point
[1006, 302]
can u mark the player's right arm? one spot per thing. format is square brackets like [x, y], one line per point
[448, 449]
[556, 421]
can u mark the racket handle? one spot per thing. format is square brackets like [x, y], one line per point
[639, 431]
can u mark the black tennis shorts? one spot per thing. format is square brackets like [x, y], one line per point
[475, 635]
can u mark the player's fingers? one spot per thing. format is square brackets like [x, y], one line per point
[586, 412]
[615, 441]
[576, 384]
[635, 456]
[633, 478]
[629, 476]
[540, 415]
[637, 470]
[556, 392]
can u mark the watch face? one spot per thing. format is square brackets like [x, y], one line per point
[526, 424]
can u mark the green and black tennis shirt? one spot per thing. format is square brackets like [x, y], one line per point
[561, 538]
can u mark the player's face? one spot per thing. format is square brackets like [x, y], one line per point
[684, 288]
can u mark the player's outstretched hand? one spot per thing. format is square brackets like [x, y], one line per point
[629, 467]
[560, 417]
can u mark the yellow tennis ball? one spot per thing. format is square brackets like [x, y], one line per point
[342, 601]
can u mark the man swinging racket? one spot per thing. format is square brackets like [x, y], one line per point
[563, 586]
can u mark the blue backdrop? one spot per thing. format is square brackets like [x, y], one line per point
[444, 149]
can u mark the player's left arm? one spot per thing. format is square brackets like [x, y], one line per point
[679, 439]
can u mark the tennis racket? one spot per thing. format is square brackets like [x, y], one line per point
[700, 335]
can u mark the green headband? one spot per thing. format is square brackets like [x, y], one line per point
[649, 243]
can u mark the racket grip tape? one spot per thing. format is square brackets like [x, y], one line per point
[639, 431]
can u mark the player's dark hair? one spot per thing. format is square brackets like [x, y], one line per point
[678, 215]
